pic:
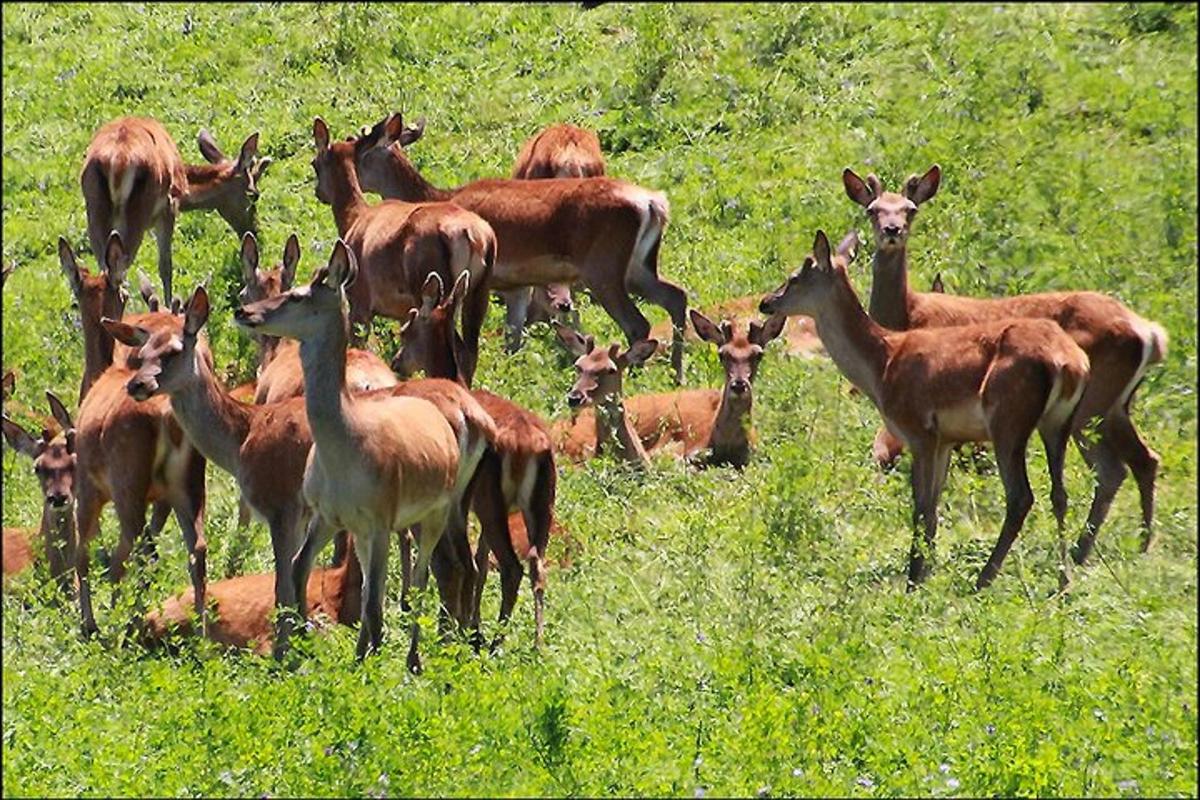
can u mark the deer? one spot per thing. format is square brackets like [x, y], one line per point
[523, 461]
[996, 381]
[379, 463]
[134, 454]
[799, 334]
[600, 231]
[1120, 345]
[54, 463]
[558, 151]
[242, 606]
[279, 375]
[133, 179]
[703, 426]
[399, 243]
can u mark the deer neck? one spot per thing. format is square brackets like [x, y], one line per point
[855, 342]
[97, 355]
[326, 399]
[730, 437]
[203, 186]
[348, 200]
[215, 423]
[612, 426]
[403, 182]
[889, 288]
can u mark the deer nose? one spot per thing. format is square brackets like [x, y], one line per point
[575, 398]
[58, 499]
[891, 230]
[140, 389]
[739, 385]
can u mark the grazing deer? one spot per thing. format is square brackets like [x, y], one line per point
[134, 178]
[1120, 344]
[378, 464]
[241, 607]
[54, 464]
[134, 454]
[705, 426]
[995, 381]
[799, 333]
[599, 385]
[279, 373]
[523, 462]
[559, 151]
[603, 232]
[399, 243]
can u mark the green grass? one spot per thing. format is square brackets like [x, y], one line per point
[732, 633]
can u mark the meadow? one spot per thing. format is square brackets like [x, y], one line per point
[718, 632]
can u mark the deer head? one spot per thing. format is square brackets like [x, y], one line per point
[260, 284]
[427, 338]
[53, 457]
[168, 356]
[740, 352]
[376, 151]
[600, 370]
[892, 213]
[809, 288]
[100, 295]
[303, 312]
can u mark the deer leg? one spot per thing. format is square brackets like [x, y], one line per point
[474, 313]
[538, 518]
[164, 232]
[430, 533]
[928, 476]
[285, 543]
[132, 221]
[516, 308]
[448, 574]
[620, 306]
[159, 513]
[492, 510]
[673, 299]
[373, 548]
[316, 536]
[1104, 460]
[1018, 499]
[405, 543]
[188, 504]
[1141, 460]
[131, 514]
[87, 524]
[99, 211]
[1055, 437]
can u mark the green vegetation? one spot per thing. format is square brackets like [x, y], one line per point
[725, 632]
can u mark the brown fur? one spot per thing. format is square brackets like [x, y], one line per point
[560, 151]
[18, 550]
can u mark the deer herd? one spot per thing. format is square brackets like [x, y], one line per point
[333, 443]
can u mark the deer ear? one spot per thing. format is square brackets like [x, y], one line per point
[856, 189]
[459, 290]
[208, 148]
[573, 339]
[431, 292]
[59, 411]
[769, 331]
[848, 247]
[321, 134]
[291, 258]
[197, 312]
[343, 267]
[70, 267]
[123, 332]
[409, 319]
[638, 352]
[938, 286]
[412, 132]
[390, 130]
[925, 187]
[146, 289]
[249, 258]
[116, 259]
[821, 252]
[249, 151]
[705, 328]
[20, 439]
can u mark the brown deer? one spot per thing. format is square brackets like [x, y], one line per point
[1120, 344]
[134, 178]
[399, 243]
[705, 426]
[97, 296]
[995, 381]
[279, 373]
[241, 607]
[601, 372]
[558, 151]
[134, 454]
[799, 333]
[54, 464]
[525, 468]
[603, 232]
[379, 463]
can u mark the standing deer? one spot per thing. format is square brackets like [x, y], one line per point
[603, 232]
[994, 381]
[399, 243]
[279, 373]
[706, 426]
[525, 469]
[54, 464]
[559, 151]
[134, 178]
[1120, 345]
[378, 464]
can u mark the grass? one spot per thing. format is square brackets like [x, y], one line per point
[719, 632]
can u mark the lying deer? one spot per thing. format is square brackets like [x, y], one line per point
[241, 607]
[399, 243]
[993, 381]
[603, 232]
[279, 373]
[559, 151]
[1120, 344]
[706, 426]
[134, 178]
[379, 462]
[526, 470]
[54, 464]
